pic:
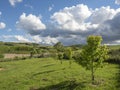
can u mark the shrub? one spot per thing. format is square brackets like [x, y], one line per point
[60, 56]
[114, 56]
[114, 59]
[68, 54]
[76, 55]
[1, 56]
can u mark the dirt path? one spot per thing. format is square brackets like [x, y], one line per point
[15, 55]
[1, 69]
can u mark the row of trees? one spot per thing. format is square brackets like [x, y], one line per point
[91, 56]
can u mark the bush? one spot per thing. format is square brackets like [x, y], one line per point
[114, 56]
[1, 56]
[60, 56]
[76, 55]
[67, 54]
[114, 59]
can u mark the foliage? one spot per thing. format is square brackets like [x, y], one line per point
[93, 54]
[76, 47]
[60, 56]
[1, 56]
[68, 53]
[59, 47]
[114, 56]
[76, 55]
[33, 51]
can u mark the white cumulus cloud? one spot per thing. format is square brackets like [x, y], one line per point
[44, 40]
[15, 38]
[51, 7]
[36, 39]
[13, 2]
[72, 18]
[31, 23]
[99, 15]
[0, 13]
[49, 40]
[2, 25]
[71, 25]
[21, 38]
[81, 21]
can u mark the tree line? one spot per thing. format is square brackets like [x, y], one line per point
[90, 57]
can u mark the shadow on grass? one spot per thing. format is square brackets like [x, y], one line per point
[44, 72]
[49, 71]
[118, 77]
[48, 65]
[66, 85]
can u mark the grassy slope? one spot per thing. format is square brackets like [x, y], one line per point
[114, 47]
[49, 74]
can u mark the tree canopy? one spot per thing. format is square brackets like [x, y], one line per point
[93, 54]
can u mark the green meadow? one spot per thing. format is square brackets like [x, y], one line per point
[50, 74]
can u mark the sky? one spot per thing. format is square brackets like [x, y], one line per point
[68, 21]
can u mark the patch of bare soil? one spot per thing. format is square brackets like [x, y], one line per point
[15, 55]
[2, 69]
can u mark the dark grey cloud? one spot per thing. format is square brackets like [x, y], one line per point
[110, 29]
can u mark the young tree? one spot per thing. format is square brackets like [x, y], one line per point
[93, 54]
[60, 57]
[59, 47]
[68, 55]
[32, 52]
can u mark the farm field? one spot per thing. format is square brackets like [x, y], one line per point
[50, 74]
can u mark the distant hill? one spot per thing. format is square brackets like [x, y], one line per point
[25, 48]
[22, 48]
[11, 47]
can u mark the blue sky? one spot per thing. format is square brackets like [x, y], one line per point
[67, 21]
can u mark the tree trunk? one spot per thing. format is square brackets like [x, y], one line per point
[92, 73]
[92, 76]
[61, 61]
[70, 62]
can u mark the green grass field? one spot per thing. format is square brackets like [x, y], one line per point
[50, 74]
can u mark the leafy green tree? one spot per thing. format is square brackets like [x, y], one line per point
[38, 52]
[60, 57]
[93, 54]
[59, 47]
[68, 55]
[32, 52]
